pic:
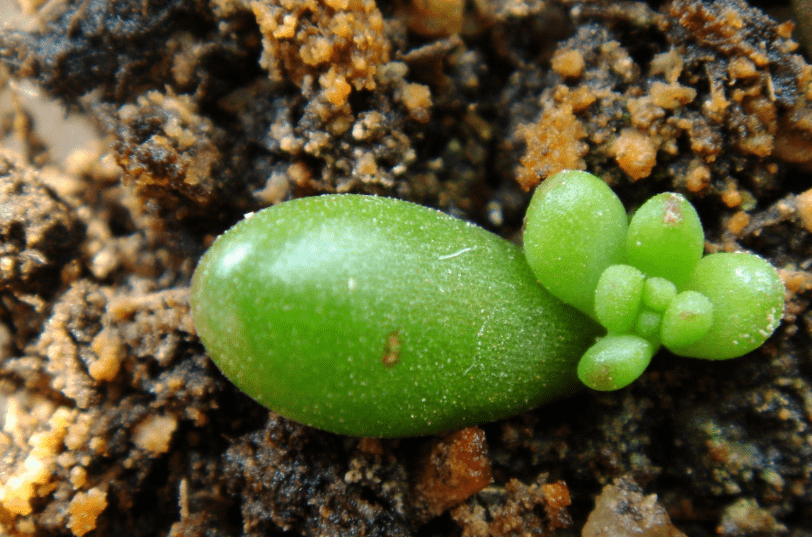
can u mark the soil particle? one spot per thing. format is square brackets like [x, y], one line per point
[746, 517]
[515, 509]
[296, 482]
[622, 510]
[39, 237]
[170, 151]
[454, 468]
[38, 232]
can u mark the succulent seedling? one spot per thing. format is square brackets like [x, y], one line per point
[647, 282]
[376, 317]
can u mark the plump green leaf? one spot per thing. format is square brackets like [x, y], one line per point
[648, 324]
[617, 298]
[615, 361]
[665, 238]
[376, 317]
[748, 302]
[574, 229]
[687, 320]
[658, 293]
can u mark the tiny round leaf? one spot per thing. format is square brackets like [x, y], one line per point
[748, 302]
[688, 318]
[575, 227]
[617, 298]
[665, 238]
[648, 324]
[658, 293]
[615, 361]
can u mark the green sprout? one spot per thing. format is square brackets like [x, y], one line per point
[646, 283]
[371, 316]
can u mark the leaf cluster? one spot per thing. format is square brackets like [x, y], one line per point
[645, 278]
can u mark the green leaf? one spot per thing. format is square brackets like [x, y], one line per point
[687, 320]
[665, 238]
[658, 293]
[615, 361]
[648, 324]
[748, 302]
[617, 298]
[376, 317]
[574, 229]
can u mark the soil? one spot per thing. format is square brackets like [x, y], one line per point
[115, 421]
